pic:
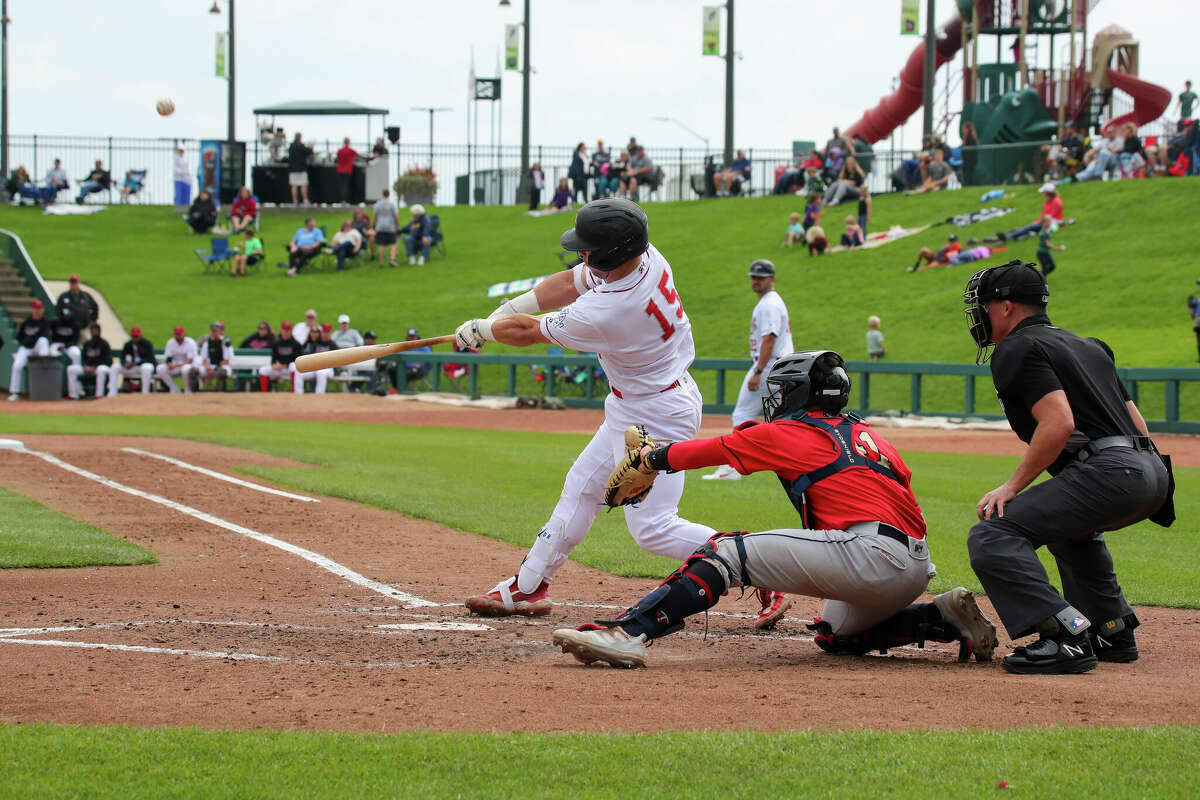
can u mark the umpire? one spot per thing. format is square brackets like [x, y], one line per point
[1063, 398]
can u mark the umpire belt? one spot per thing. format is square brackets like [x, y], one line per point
[1142, 443]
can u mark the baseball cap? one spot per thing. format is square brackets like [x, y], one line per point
[327, 326]
[1048, 187]
[285, 326]
[136, 330]
[413, 332]
[761, 269]
[369, 335]
[1015, 281]
[74, 279]
[343, 318]
[36, 304]
[179, 330]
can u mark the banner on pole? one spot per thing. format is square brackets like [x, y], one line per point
[910, 16]
[711, 44]
[221, 39]
[512, 46]
[487, 88]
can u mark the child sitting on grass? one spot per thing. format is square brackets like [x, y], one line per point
[853, 237]
[817, 243]
[795, 231]
[1045, 246]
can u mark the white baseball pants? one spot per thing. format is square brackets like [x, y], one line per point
[749, 404]
[654, 523]
[75, 373]
[20, 358]
[71, 351]
[321, 376]
[144, 371]
[288, 372]
[167, 373]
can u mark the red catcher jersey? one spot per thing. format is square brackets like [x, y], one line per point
[791, 449]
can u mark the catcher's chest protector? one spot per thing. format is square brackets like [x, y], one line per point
[844, 436]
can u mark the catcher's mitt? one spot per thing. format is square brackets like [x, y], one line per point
[627, 485]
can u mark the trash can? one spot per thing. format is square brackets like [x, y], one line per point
[45, 378]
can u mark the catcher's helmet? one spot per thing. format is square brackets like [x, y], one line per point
[812, 379]
[613, 230]
[1016, 281]
[761, 269]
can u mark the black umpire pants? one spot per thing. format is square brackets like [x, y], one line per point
[1114, 488]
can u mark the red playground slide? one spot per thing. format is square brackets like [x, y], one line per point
[1150, 101]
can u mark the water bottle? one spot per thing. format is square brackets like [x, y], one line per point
[994, 194]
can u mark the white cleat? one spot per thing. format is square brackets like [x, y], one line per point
[723, 473]
[611, 645]
[958, 607]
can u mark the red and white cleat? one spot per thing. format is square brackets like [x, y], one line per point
[774, 606]
[507, 600]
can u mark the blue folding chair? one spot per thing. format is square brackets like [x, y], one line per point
[214, 257]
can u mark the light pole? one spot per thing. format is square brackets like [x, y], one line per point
[229, 66]
[4, 20]
[729, 54]
[523, 180]
[686, 128]
[431, 111]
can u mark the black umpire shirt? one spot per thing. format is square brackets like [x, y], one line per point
[1037, 358]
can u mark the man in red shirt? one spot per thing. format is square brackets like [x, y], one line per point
[345, 169]
[1053, 206]
[861, 545]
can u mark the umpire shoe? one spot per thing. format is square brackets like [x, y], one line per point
[958, 607]
[611, 645]
[507, 600]
[774, 606]
[1117, 648]
[1053, 655]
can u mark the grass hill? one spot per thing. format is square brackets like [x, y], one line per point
[1124, 277]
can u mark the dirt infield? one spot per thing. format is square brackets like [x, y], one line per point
[238, 630]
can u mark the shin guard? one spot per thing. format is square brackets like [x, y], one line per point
[915, 624]
[663, 611]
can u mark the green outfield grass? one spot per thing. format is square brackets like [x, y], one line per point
[1123, 278]
[32, 535]
[503, 484]
[120, 763]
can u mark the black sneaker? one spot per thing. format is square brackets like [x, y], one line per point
[1063, 655]
[1116, 648]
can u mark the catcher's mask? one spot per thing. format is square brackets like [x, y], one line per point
[1015, 281]
[612, 230]
[812, 379]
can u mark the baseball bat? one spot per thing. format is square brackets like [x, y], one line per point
[368, 352]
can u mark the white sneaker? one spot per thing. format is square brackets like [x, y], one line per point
[412, 260]
[611, 645]
[958, 607]
[12, 398]
[723, 473]
[420, 260]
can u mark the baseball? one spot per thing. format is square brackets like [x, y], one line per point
[165, 107]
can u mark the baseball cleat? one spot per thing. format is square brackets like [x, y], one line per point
[723, 473]
[774, 606]
[1116, 648]
[958, 607]
[611, 645]
[507, 600]
[1062, 655]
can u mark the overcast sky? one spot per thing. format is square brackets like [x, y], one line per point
[603, 68]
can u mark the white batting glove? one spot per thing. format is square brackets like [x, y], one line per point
[473, 333]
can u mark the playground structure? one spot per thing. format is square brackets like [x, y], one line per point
[1026, 98]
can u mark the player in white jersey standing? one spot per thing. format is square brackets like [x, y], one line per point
[770, 338]
[620, 303]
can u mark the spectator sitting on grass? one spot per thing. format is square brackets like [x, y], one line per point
[252, 253]
[875, 348]
[345, 336]
[813, 183]
[938, 172]
[362, 223]
[791, 179]
[345, 244]
[244, 211]
[795, 231]
[853, 237]
[202, 214]
[638, 171]
[1098, 160]
[261, 339]
[559, 203]
[738, 170]
[1052, 206]
[305, 243]
[418, 234]
[926, 257]
[817, 243]
[97, 181]
[846, 187]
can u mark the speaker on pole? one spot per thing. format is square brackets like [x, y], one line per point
[393, 133]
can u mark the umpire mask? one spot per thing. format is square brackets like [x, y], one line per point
[1017, 282]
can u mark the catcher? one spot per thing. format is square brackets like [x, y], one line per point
[861, 544]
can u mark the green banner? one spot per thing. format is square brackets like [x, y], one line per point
[910, 17]
[711, 45]
[221, 55]
[512, 46]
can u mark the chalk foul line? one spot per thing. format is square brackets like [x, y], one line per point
[220, 475]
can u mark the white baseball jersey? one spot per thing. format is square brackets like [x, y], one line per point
[770, 316]
[180, 352]
[636, 325]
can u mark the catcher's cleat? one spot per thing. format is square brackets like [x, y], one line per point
[611, 645]
[774, 606]
[958, 607]
[507, 600]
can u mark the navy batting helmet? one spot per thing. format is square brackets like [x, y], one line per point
[811, 379]
[612, 230]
